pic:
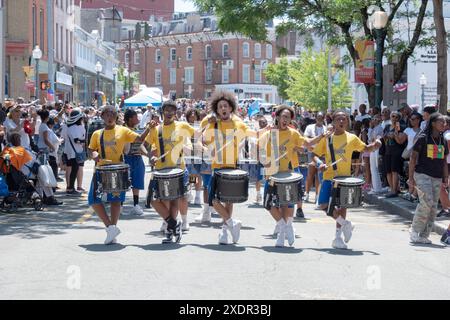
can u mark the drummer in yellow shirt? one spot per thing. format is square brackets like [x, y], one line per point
[279, 147]
[344, 144]
[224, 154]
[170, 155]
[106, 147]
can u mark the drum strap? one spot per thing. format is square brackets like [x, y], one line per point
[161, 143]
[333, 157]
[275, 148]
[102, 146]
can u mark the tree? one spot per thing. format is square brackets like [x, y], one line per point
[276, 74]
[308, 83]
[441, 43]
[341, 21]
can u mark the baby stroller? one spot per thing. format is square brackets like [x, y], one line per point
[22, 191]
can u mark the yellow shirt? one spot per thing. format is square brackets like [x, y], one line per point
[204, 122]
[343, 145]
[226, 147]
[114, 142]
[174, 136]
[285, 158]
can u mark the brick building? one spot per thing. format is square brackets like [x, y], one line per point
[188, 57]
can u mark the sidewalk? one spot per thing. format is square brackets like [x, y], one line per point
[404, 208]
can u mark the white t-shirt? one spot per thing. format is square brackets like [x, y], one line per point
[360, 118]
[411, 135]
[42, 128]
[146, 117]
[375, 132]
[423, 124]
[38, 124]
[313, 130]
[55, 141]
[72, 133]
[384, 123]
[24, 137]
[447, 138]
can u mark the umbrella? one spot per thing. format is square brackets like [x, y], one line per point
[144, 97]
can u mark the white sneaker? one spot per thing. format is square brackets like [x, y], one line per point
[338, 243]
[235, 229]
[306, 198]
[205, 216]
[223, 235]
[347, 230]
[258, 198]
[111, 233]
[137, 210]
[276, 230]
[290, 233]
[416, 238]
[281, 237]
[185, 225]
[190, 197]
[198, 201]
[163, 228]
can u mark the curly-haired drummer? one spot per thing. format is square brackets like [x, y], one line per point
[279, 147]
[224, 136]
[106, 147]
[167, 140]
[342, 144]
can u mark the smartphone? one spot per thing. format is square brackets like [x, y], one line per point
[397, 126]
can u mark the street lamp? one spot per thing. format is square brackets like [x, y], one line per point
[423, 83]
[125, 74]
[182, 80]
[115, 71]
[379, 21]
[37, 55]
[98, 69]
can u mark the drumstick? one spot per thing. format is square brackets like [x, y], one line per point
[336, 162]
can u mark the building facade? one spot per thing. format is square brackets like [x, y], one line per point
[188, 57]
[90, 49]
[2, 50]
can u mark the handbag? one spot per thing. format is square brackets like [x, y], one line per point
[80, 157]
[406, 154]
[46, 176]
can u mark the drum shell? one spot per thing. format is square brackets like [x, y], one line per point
[349, 195]
[231, 188]
[169, 187]
[287, 193]
[114, 179]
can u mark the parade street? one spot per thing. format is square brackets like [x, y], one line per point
[59, 254]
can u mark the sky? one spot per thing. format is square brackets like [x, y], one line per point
[184, 6]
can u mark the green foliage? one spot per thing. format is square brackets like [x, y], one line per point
[277, 75]
[308, 83]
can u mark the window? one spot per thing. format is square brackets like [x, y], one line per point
[268, 51]
[245, 73]
[225, 50]
[257, 74]
[61, 34]
[158, 56]
[173, 76]
[257, 50]
[136, 57]
[208, 71]
[246, 50]
[41, 30]
[208, 51]
[189, 75]
[225, 75]
[67, 45]
[158, 76]
[57, 37]
[173, 54]
[126, 59]
[188, 53]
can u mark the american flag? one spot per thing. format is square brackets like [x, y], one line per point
[401, 86]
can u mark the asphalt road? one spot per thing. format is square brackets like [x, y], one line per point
[59, 254]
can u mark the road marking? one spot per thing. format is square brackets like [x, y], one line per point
[85, 217]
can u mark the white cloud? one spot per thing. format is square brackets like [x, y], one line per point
[184, 6]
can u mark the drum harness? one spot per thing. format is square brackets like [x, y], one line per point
[334, 190]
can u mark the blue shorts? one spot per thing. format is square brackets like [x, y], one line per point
[96, 198]
[193, 168]
[154, 185]
[206, 180]
[300, 190]
[254, 171]
[137, 171]
[325, 192]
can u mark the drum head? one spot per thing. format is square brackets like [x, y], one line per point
[231, 172]
[286, 177]
[168, 172]
[348, 180]
[114, 167]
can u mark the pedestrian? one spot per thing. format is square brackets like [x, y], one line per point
[427, 112]
[428, 172]
[375, 132]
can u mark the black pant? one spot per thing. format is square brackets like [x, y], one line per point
[54, 165]
[73, 173]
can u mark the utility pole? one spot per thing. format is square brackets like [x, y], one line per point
[51, 50]
[2, 50]
[129, 62]
[330, 88]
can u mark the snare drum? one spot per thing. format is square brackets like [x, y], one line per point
[170, 183]
[231, 185]
[286, 191]
[349, 191]
[303, 159]
[114, 178]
